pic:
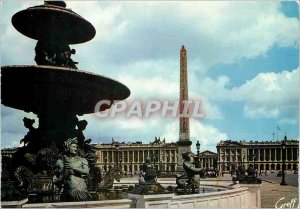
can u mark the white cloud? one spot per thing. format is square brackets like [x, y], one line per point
[268, 95]
[219, 32]
[207, 135]
[271, 95]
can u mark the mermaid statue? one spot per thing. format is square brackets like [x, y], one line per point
[73, 171]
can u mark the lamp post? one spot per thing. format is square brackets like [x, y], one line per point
[198, 154]
[283, 147]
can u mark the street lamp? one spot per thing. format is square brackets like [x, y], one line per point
[283, 147]
[198, 154]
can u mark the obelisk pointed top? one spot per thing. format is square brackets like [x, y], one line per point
[182, 48]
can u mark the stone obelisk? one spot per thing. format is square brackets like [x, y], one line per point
[184, 143]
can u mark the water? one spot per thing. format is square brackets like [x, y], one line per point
[202, 190]
[96, 196]
[103, 195]
[109, 195]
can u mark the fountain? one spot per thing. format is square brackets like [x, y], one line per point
[57, 165]
[57, 92]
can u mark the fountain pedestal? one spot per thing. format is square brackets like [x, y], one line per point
[254, 197]
[151, 200]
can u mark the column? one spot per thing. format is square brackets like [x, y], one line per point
[133, 158]
[208, 162]
[143, 156]
[264, 154]
[127, 156]
[258, 155]
[166, 162]
[275, 152]
[138, 157]
[270, 159]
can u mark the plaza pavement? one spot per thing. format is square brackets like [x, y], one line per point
[273, 195]
[272, 192]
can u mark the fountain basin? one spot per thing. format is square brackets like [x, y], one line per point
[57, 88]
[242, 196]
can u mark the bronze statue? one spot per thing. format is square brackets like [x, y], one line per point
[81, 125]
[148, 171]
[73, 169]
[29, 137]
[250, 178]
[147, 181]
[108, 180]
[191, 178]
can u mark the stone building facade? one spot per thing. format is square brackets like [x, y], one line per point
[264, 155]
[130, 156]
[208, 160]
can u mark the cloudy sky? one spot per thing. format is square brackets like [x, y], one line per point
[243, 64]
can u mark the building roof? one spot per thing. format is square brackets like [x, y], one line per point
[247, 143]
